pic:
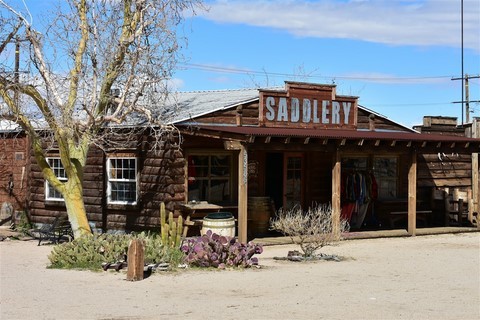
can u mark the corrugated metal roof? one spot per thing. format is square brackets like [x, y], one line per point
[193, 104]
[337, 134]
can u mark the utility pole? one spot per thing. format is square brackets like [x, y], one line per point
[16, 75]
[466, 101]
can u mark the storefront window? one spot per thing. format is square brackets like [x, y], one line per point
[209, 177]
[385, 170]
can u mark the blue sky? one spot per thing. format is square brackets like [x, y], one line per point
[398, 56]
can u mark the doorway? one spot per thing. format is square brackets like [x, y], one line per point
[284, 179]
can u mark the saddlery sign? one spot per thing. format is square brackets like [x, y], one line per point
[304, 105]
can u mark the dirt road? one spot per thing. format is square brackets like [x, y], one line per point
[427, 277]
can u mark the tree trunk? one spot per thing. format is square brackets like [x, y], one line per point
[77, 214]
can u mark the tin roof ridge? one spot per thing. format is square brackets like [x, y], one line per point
[233, 89]
[218, 90]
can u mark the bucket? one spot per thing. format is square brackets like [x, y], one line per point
[221, 223]
[260, 209]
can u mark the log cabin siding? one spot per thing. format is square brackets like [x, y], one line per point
[161, 178]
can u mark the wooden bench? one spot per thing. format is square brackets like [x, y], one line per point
[54, 232]
[395, 216]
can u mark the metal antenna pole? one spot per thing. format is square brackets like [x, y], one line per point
[463, 90]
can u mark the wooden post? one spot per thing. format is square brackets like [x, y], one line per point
[475, 175]
[135, 260]
[412, 194]
[242, 193]
[336, 206]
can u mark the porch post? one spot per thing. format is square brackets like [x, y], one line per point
[336, 207]
[475, 207]
[242, 193]
[412, 194]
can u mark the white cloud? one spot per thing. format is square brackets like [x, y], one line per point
[394, 22]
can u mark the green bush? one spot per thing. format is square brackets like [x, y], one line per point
[22, 225]
[89, 252]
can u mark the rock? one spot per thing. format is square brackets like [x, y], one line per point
[6, 211]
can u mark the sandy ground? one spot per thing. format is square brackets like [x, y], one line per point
[427, 277]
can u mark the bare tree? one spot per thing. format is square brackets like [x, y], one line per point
[310, 229]
[96, 63]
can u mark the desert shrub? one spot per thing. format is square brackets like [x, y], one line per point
[310, 229]
[89, 252]
[213, 250]
[23, 225]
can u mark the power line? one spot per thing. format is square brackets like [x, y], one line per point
[212, 68]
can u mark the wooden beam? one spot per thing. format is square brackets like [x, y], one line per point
[412, 194]
[336, 183]
[242, 194]
[307, 140]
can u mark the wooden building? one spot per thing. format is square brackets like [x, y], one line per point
[253, 151]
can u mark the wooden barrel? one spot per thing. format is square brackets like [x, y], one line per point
[221, 223]
[260, 210]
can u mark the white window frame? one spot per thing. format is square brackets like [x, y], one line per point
[48, 196]
[111, 179]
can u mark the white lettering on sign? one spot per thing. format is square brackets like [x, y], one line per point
[307, 111]
[325, 111]
[270, 103]
[295, 106]
[331, 111]
[346, 111]
[282, 110]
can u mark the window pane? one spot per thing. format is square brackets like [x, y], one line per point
[219, 190]
[385, 170]
[209, 177]
[197, 190]
[123, 191]
[122, 180]
[54, 194]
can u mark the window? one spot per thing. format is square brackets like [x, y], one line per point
[385, 171]
[57, 167]
[209, 178]
[122, 180]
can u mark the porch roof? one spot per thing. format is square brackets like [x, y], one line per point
[248, 133]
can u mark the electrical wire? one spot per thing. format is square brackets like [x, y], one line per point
[205, 67]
